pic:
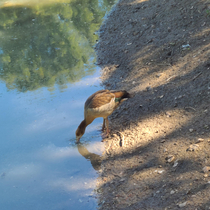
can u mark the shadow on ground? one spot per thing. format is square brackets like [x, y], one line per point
[160, 52]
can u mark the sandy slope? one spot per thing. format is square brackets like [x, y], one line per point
[158, 50]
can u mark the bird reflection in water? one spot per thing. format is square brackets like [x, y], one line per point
[92, 157]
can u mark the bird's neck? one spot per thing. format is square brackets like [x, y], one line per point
[88, 120]
[83, 125]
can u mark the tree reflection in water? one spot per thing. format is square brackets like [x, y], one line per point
[43, 45]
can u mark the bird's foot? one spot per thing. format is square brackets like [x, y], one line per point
[105, 135]
[103, 129]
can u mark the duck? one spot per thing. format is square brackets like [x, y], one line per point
[101, 104]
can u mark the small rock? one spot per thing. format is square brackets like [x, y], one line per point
[122, 180]
[191, 130]
[160, 172]
[193, 147]
[182, 204]
[179, 97]
[206, 169]
[165, 150]
[172, 192]
[161, 96]
[168, 114]
[205, 175]
[175, 163]
[185, 46]
[170, 158]
[199, 140]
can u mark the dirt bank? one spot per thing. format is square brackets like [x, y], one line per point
[160, 144]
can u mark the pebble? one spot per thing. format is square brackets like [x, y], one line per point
[206, 169]
[175, 163]
[161, 96]
[170, 158]
[191, 130]
[165, 150]
[172, 192]
[168, 114]
[185, 46]
[193, 147]
[182, 204]
[122, 180]
[199, 140]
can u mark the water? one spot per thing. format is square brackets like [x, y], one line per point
[47, 72]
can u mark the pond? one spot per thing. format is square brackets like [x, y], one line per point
[47, 72]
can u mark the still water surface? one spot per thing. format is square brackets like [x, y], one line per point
[47, 72]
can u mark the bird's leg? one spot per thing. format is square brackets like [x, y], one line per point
[103, 126]
[107, 126]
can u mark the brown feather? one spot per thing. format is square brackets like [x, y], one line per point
[88, 101]
[99, 99]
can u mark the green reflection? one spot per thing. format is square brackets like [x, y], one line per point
[43, 45]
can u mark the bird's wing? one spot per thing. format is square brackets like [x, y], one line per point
[99, 99]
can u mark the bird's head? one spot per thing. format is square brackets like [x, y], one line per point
[80, 130]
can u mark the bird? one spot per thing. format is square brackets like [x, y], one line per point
[101, 104]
